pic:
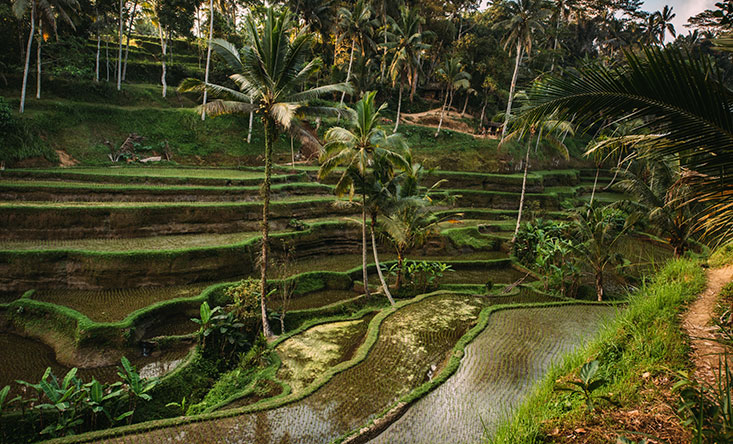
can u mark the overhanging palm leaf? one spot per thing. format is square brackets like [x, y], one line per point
[678, 97]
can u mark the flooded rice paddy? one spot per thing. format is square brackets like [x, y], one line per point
[500, 366]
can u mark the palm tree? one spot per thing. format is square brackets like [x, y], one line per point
[525, 19]
[356, 25]
[406, 43]
[663, 197]
[270, 75]
[664, 21]
[355, 149]
[599, 230]
[679, 99]
[454, 77]
[208, 58]
[43, 11]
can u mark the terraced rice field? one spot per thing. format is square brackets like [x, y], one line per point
[26, 359]
[115, 305]
[155, 243]
[498, 369]
[412, 345]
[313, 299]
[202, 173]
[310, 353]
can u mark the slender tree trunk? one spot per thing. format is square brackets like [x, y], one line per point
[208, 62]
[163, 46]
[521, 199]
[292, 153]
[269, 141]
[385, 287]
[127, 44]
[38, 59]
[106, 55]
[511, 89]
[400, 264]
[28, 57]
[99, 48]
[595, 183]
[442, 112]
[384, 54]
[599, 285]
[465, 105]
[251, 119]
[399, 108]
[348, 71]
[119, 53]
[364, 272]
[483, 111]
[413, 85]
[554, 48]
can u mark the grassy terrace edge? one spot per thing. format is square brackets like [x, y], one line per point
[646, 337]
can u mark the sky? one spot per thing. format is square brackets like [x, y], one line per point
[683, 8]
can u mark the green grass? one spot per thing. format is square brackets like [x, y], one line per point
[722, 256]
[646, 337]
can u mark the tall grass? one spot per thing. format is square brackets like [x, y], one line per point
[645, 337]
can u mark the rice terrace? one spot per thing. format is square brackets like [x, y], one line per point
[363, 221]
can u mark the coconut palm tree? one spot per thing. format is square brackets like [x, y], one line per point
[663, 197]
[355, 150]
[454, 77]
[664, 21]
[356, 25]
[270, 75]
[406, 42]
[43, 11]
[525, 19]
[599, 230]
[678, 98]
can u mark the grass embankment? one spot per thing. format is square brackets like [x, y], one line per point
[639, 352]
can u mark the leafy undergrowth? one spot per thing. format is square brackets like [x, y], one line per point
[722, 256]
[639, 353]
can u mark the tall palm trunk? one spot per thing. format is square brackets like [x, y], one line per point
[595, 183]
[119, 53]
[163, 47]
[442, 111]
[385, 287]
[106, 55]
[269, 141]
[521, 199]
[348, 71]
[38, 59]
[483, 111]
[99, 49]
[127, 43]
[28, 57]
[400, 265]
[399, 108]
[599, 285]
[465, 105]
[384, 53]
[208, 62]
[511, 89]
[364, 273]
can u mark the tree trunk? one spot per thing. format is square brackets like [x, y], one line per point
[385, 287]
[554, 48]
[269, 141]
[413, 85]
[399, 108]
[208, 62]
[442, 113]
[400, 264]
[99, 48]
[483, 112]
[465, 105]
[384, 54]
[251, 119]
[348, 71]
[38, 59]
[364, 273]
[163, 46]
[292, 153]
[599, 285]
[127, 44]
[28, 57]
[521, 199]
[106, 55]
[119, 53]
[595, 183]
[511, 89]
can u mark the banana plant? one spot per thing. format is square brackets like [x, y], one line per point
[136, 387]
[62, 398]
[99, 402]
[4, 403]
